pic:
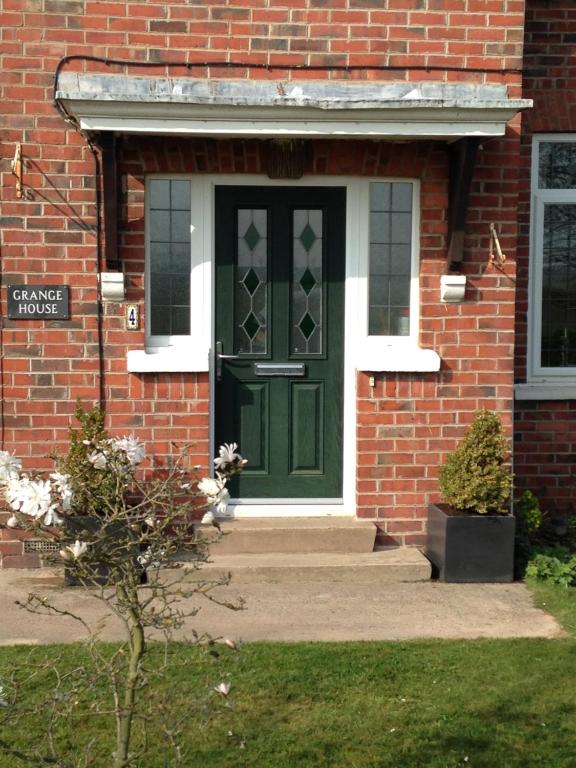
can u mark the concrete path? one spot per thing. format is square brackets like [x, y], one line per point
[297, 611]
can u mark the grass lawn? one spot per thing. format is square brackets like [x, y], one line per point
[432, 704]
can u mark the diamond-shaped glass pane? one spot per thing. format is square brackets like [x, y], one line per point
[252, 236]
[251, 281]
[307, 326]
[251, 325]
[307, 281]
[307, 237]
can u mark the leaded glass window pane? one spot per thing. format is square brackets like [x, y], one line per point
[306, 290]
[170, 256]
[251, 300]
[390, 258]
[558, 349]
[557, 165]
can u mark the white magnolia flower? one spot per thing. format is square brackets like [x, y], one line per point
[61, 480]
[66, 497]
[132, 446]
[14, 490]
[74, 551]
[12, 522]
[214, 488]
[150, 557]
[31, 497]
[227, 456]
[39, 501]
[52, 518]
[221, 504]
[97, 459]
[211, 487]
[223, 688]
[208, 518]
[62, 485]
[10, 466]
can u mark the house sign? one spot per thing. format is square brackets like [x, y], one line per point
[38, 302]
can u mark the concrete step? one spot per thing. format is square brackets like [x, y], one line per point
[302, 535]
[380, 567]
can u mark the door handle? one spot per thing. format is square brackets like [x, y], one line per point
[219, 357]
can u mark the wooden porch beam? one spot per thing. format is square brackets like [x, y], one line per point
[110, 200]
[462, 162]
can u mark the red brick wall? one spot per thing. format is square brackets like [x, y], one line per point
[409, 421]
[545, 449]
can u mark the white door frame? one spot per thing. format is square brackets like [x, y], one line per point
[345, 506]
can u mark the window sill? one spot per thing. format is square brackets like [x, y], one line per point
[168, 360]
[545, 391]
[404, 358]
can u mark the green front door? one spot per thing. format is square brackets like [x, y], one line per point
[279, 337]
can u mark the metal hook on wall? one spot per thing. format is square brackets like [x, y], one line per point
[495, 256]
[17, 168]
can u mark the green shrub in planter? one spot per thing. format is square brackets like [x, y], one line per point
[470, 538]
[94, 492]
[474, 478]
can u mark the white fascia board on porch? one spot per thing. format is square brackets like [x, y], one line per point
[189, 106]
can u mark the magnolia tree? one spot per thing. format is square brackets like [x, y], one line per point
[119, 521]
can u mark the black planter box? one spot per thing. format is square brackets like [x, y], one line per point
[470, 548]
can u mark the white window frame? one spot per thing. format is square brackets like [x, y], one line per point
[553, 380]
[190, 352]
[389, 353]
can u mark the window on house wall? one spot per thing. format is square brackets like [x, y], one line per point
[392, 289]
[553, 259]
[169, 259]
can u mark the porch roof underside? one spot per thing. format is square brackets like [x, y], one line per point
[290, 109]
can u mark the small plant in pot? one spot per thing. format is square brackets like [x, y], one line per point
[471, 535]
[99, 472]
[108, 512]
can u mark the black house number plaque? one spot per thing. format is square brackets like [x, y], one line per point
[38, 302]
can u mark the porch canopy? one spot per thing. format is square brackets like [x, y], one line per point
[459, 114]
[291, 109]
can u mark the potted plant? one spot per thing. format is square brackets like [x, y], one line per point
[99, 476]
[470, 536]
[110, 516]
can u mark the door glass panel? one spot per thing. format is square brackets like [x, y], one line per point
[306, 290]
[250, 306]
[559, 286]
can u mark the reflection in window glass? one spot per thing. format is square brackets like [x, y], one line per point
[390, 258]
[557, 165]
[558, 340]
[169, 242]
